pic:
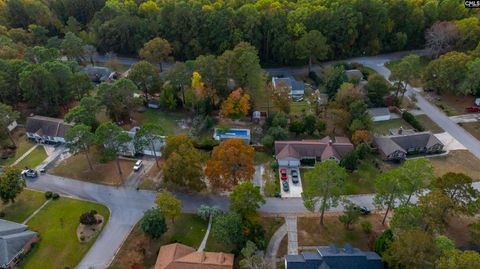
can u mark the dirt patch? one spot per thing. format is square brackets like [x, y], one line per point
[86, 233]
[458, 230]
[153, 179]
[457, 161]
[451, 104]
[472, 127]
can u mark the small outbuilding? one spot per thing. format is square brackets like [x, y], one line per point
[380, 113]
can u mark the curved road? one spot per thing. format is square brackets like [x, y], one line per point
[127, 205]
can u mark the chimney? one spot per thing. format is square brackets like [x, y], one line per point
[400, 130]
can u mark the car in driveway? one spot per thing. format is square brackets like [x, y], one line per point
[285, 186]
[137, 165]
[283, 174]
[294, 174]
[29, 173]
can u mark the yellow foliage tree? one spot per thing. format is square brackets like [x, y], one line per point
[236, 106]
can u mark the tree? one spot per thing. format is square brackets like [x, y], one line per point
[147, 136]
[80, 85]
[350, 215]
[7, 116]
[459, 260]
[85, 112]
[312, 47]
[405, 71]
[350, 161]
[407, 217]
[156, 50]
[388, 190]
[440, 38]
[114, 140]
[173, 142]
[446, 73]
[153, 223]
[280, 97]
[179, 77]
[167, 98]
[412, 249]
[79, 139]
[443, 244]
[231, 163]
[206, 212]
[468, 33]
[252, 257]
[168, 205]
[458, 187]
[435, 207]
[236, 106]
[309, 123]
[415, 173]
[471, 83]
[245, 200]
[118, 98]
[40, 54]
[72, 46]
[348, 94]
[339, 117]
[146, 78]
[297, 127]
[11, 184]
[228, 228]
[333, 77]
[360, 137]
[377, 88]
[324, 185]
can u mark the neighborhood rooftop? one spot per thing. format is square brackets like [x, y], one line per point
[179, 256]
[46, 126]
[13, 238]
[398, 145]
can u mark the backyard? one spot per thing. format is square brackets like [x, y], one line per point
[383, 127]
[56, 223]
[105, 173]
[167, 120]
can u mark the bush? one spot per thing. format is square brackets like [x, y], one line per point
[55, 196]
[153, 223]
[48, 195]
[268, 141]
[2, 214]
[205, 144]
[82, 237]
[366, 226]
[88, 218]
[383, 242]
[362, 151]
[312, 75]
[408, 117]
[350, 161]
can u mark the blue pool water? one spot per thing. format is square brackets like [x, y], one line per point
[232, 133]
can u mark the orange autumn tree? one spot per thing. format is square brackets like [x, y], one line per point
[236, 106]
[231, 163]
[360, 136]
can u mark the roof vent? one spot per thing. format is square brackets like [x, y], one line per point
[333, 248]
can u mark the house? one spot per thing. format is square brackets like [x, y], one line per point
[100, 74]
[379, 113]
[221, 135]
[397, 146]
[15, 241]
[47, 130]
[296, 88]
[332, 257]
[354, 74]
[133, 147]
[291, 153]
[179, 256]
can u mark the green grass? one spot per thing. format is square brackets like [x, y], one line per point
[33, 159]
[429, 124]
[167, 120]
[23, 145]
[25, 204]
[299, 108]
[57, 224]
[190, 230]
[361, 180]
[262, 157]
[382, 127]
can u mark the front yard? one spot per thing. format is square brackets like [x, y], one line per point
[22, 146]
[25, 204]
[34, 158]
[459, 161]
[105, 173]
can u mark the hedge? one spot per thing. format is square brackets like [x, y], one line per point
[408, 117]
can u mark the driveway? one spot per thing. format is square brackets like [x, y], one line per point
[294, 189]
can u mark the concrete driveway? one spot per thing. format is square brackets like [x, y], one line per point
[295, 189]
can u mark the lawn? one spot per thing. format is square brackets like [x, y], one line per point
[142, 251]
[36, 157]
[300, 108]
[451, 104]
[105, 173]
[459, 161]
[429, 124]
[167, 120]
[383, 127]
[23, 145]
[57, 223]
[25, 204]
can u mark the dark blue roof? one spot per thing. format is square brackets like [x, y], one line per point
[333, 257]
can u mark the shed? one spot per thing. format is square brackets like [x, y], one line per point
[379, 113]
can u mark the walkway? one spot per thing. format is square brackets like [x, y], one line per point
[291, 222]
[207, 233]
[36, 211]
[25, 155]
[274, 245]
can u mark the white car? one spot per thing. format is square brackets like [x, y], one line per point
[137, 165]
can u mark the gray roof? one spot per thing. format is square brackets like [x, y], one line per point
[98, 73]
[332, 257]
[354, 73]
[295, 86]
[379, 111]
[403, 142]
[13, 238]
[323, 149]
[46, 126]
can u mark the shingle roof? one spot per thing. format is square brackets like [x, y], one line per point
[13, 238]
[46, 126]
[322, 149]
[402, 142]
[179, 256]
[379, 111]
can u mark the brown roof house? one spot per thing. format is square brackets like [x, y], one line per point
[15, 241]
[179, 256]
[46, 129]
[396, 147]
[290, 153]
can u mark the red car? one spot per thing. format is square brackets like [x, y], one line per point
[472, 109]
[283, 174]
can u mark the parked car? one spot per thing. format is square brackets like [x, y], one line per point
[363, 209]
[294, 174]
[285, 186]
[137, 165]
[283, 174]
[472, 109]
[29, 173]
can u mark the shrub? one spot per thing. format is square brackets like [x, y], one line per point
[55, 196]
[268, 141]
[408, 117]
[363, 150]
[88, 218]
[82, 237]
[313, 76]
[2, 214]
[366, 226]
[383, 242]
[350, 161]
[153, 223]
[48, 195]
